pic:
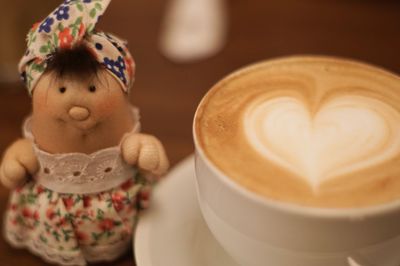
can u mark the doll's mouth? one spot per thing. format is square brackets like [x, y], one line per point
[84, 125]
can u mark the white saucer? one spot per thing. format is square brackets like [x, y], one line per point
[172, 232]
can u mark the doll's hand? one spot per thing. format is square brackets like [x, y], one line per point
[19, 161]
[146, 152]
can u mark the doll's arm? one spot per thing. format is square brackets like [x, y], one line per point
[146, 152]
[19, 161]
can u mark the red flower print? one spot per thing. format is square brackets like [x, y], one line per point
[78, 213]
[35, 26]
[81, 236]
[106, 224]
[117, 201]
[68, 202]
[81, 30]
[13, 207]
[36, 215]
[66, 38]
[18, 189]
[14, 221]
[39, 189]
[61, 222]
[129, 63]
[50, 214]
[118, 206]
[87, 201]
[145, 193]
[38, 60]
[26, 213]
[127, 185]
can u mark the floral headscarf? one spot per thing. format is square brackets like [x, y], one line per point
[71, 23]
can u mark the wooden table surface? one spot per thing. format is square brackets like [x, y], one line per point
[168, 93]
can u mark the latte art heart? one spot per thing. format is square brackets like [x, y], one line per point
[346, 134]
[306, 130]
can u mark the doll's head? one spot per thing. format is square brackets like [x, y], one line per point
[76, 74]
[77, 90]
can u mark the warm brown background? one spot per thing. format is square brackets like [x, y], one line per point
[168, 93]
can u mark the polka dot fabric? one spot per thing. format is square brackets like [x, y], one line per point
[72, 23]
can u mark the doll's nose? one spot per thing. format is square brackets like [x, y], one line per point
[79, 113]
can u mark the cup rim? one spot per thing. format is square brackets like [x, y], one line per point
[310, 211]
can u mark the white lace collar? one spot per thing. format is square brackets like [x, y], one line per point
[81, 173]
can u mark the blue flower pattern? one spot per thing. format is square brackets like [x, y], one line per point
[46, 25]
[117, 67]
[62, 13]
[106, 46]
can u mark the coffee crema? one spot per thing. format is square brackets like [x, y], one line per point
[314, 131]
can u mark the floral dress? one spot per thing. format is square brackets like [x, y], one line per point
[78, 208]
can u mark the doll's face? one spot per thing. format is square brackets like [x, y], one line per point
[82, 103]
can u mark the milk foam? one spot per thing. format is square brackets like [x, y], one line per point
[313, 131]
[347, 133]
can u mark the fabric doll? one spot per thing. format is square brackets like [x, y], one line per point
[82, 171]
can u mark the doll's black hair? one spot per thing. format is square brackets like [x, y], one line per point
[76, 62]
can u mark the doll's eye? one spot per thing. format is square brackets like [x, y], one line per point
[62, 90]
[92, 88]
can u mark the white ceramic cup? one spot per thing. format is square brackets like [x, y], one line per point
[257, 231]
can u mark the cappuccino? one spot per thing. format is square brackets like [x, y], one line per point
[313, 131]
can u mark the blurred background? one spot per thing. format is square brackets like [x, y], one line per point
[169, 86]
